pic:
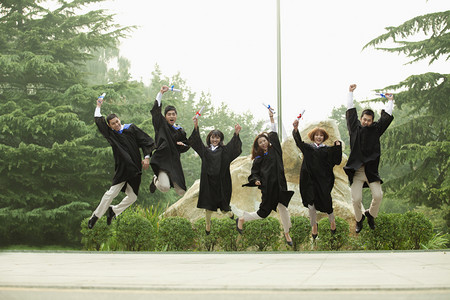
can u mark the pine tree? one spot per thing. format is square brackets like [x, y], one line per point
[418, 141]
[51, 156]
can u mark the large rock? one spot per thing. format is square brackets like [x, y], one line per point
[248, 199]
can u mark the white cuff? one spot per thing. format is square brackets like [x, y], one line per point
[147, 156]
[273, 127]
[350, 100]
[97, 112]
[159, 98]
[389, 107]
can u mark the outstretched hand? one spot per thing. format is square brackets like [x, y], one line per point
[99, 102]
[164, 89]
[237, 129]
[295, 124]
[195, 122]
[352, 87]
[390, 97]
[337, 143]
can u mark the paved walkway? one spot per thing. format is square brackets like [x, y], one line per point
[321, 275]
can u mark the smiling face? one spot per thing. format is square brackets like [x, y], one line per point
[263, 143]
[318, 138]
[214, 140]
[171, 117]
[115, 124]
[366, 120]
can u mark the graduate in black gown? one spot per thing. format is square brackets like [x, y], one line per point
[215, 178]
[362, 164]
[125, 141]
[316, 174]
[171, 140]
[268, 175]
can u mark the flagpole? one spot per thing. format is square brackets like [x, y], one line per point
[279, 119]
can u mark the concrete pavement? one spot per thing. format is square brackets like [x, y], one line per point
[150, 275]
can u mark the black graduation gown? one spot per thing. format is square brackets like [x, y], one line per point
[316, 173]
[365, 145]
[269, 170]
[166, 157]
[127, 157]
[215, 178]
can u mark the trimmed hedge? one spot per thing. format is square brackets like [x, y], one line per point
[175, 234]
[300, 231]
[93, 239]
[263, 234]
[327, 240]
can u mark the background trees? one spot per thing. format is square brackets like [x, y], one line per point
[55, 166]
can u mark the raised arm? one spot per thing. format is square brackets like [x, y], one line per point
[351, 115]
[195, 141]
[100, 120]
[157, 118]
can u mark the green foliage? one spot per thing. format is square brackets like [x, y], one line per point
[175, 234]
[204, 241]
[437, 241]
[327, 240]
[300, 231]
[389, 233]
[418, 229]
[134, 232]
[434, 26]
[263, 234]
[229, 239]
[93, 239]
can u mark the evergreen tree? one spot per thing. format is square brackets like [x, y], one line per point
[418, 141]
[51, 157]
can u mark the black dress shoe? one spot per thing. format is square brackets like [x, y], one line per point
[370, 220]
[359, 225]
[110, 215]
[207, 232]
[92, 221]
[237, 226]
[232, 217]
[333, 231]
[152, 185]
[288, 242]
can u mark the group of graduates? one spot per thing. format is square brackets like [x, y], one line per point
[267, 172]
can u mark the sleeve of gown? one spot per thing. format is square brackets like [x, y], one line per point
[273, 139]
[234, 147]
[352, 120]
[255, 172]
[102, 126]
[145, 142]
[196, 143]
[335, 154]
[384, 122]
[157, 117]
[299, 142]
[184, 140]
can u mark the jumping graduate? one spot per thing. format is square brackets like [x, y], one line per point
[125, 141]
[170, 142]
[362, 165]
[268, 175]
[316, 174]
[215, 178]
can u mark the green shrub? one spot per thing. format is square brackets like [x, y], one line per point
[204, 241]
[135, 232]
[437, 241]
[93, 239]
[175, 234]
[389, 233]
[418, 229]
[300, 231]
[329, 241]
[228, 237]
[263, 234]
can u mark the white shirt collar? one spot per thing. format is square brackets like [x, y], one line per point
[213, 148]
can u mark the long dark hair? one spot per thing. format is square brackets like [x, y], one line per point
[256, 151]
[214, 132]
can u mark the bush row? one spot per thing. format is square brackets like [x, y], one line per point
[141, 230]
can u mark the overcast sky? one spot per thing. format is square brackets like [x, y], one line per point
[228, 48]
